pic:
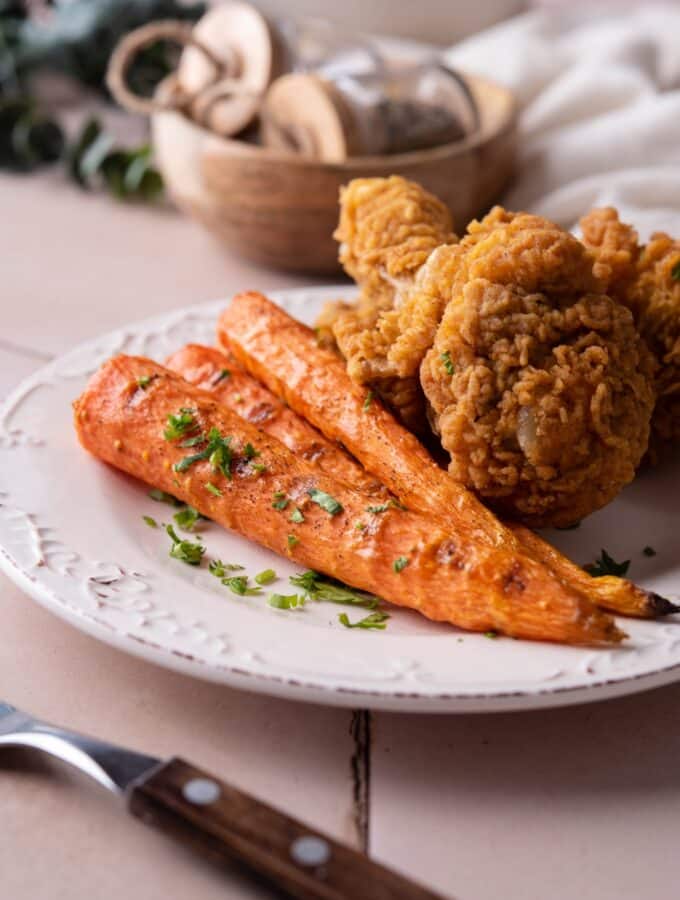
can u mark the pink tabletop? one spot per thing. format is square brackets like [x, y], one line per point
[573, 803]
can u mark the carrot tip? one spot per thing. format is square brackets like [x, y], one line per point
[660, 606]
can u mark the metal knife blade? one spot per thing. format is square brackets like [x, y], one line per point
[113, 767]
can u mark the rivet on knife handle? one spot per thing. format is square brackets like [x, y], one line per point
[226, 824]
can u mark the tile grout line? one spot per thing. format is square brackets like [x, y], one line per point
[360, 763]
[25, 351]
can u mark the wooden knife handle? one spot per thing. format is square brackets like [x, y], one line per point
[226, 824]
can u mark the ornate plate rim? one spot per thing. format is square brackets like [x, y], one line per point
[297, 688]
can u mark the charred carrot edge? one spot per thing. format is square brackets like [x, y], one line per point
[608, 591]
[283, 354]
[122, 416]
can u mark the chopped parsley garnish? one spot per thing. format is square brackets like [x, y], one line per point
[400, 563]
[448, 364]
[189, 552]
[266, 577]
[293, 541]
[296, 516]
[649, 551]
[675, 271]
[186, 518]
[145, 380]
[225, 373]
[162, 497]
[219, 569]
[258, 468]
[238, 584]
[213, 490]
[180, 424]
[152, 523]
[193, 441]
[605, 565]
[369, 399]
[319, 588]
[373, 620]
[491, 634]
[285, 601]
[383, 507]
[360, 526]
[250, 452]
[280, 500]
[325, 501]
[239, 398]
[218, 452]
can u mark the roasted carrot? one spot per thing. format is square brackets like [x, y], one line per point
[217, 371]
[125, 417]
[283, 354]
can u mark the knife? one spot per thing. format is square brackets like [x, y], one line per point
[217, 819]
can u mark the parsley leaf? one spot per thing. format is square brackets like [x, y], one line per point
[325, 501]
[280, 500]
[218, 452]
[383, 507]
[250, 452]
[400, 563]
[258, 468]
[293, 541]
[186, 518]
[193, 441]
[219, 569]
[605, 565]
[448, 364]
[213, 490]
[296, 516]
[373, 620]
[152, 523]
[285, 601]
[238, 584]
[491, 634]
[187, 551]
[179, 425]
[266, 577]
[369, 399]
[145, 380]
[320, 588]
[225, 373]
[162, 497]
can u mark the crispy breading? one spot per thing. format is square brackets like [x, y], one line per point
[539, 384]
[647, 279]
[388, 227]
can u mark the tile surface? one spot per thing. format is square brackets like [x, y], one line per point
[63, 837]
[580, 802]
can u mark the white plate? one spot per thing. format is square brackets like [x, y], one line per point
[72, 536]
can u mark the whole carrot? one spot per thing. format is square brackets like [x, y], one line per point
[149, 422]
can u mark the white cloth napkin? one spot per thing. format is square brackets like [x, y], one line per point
[600, 110]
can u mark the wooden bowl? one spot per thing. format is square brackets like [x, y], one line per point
[281, 210]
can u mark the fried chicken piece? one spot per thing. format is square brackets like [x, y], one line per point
[647, 279]
[388, 228]
[539, 384]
